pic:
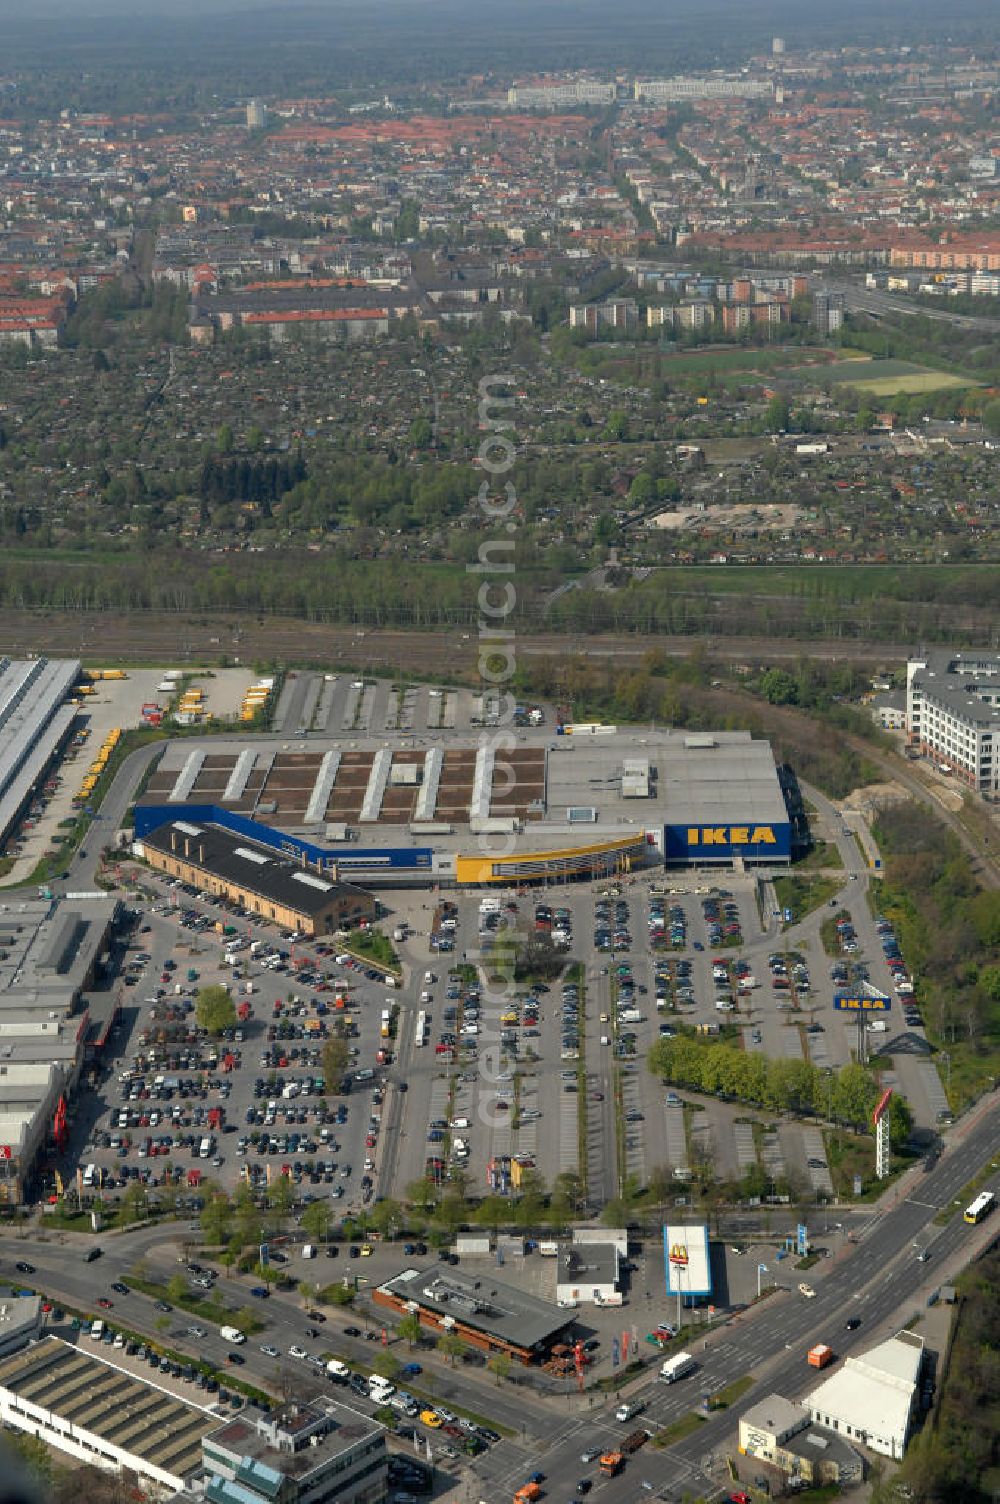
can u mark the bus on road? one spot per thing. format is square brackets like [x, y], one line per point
[981, 1207]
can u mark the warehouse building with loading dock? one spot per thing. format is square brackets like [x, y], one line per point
[590, 801]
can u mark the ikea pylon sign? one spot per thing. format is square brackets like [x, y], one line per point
[720, 843]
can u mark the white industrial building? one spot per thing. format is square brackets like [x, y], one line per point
[953, 715]
[35, 719]
[872, 1398]
[82, 1404]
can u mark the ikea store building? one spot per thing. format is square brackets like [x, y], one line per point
[502, 808]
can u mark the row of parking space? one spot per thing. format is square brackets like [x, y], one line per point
[279, 1113]
[333, 704]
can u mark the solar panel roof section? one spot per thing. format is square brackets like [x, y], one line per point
[111, 1403]
[188, 776]
[240, 775]
[377, 780]
[322, 788]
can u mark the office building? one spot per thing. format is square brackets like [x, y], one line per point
[953, 716]
[256, 116]
[20, 1321]
[315, 1452]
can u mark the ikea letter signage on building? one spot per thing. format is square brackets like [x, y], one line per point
[707, 843]
[844, 1004]
[731, 835]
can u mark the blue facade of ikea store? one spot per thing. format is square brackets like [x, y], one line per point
[397, 859]
[701, 845]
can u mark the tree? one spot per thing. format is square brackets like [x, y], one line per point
[135, 1202]
[409, 1329]
[386, 1364]
[215, 1218]
[33, 1453]
[776, 416]
[316, 1221]
[779, 687]
[450, 1346]
[176, 1288]
[280, 1195]
[500, 1366]
[214, 1009]
[335, 1058]
[245, 1319]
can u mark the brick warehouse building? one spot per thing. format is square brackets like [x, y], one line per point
[258, 880]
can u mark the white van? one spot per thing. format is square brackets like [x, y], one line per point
[337, 1370]
[309, 1250]
[459, 1123]
[231, 1334]
[90, 1175]
[380, 1389]
[878, 1026]
[97, 1330]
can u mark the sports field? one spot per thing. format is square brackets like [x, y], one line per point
[882, 378]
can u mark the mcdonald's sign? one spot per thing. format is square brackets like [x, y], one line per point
[679, 1255]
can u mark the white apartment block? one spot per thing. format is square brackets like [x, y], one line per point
[560, 96]
[953, 715]
[666, 90]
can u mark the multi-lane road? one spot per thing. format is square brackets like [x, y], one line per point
[877, 1280]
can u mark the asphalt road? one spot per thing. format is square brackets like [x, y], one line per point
[868, 300]
[876, 1280]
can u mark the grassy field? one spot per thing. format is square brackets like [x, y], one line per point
[803, 895]
[883, 378]
[923, 381]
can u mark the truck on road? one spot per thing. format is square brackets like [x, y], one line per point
[634, 1440]
[677, 1367]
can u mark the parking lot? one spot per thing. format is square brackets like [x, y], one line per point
[332, 705]
[178, 1105]
[454, 1079]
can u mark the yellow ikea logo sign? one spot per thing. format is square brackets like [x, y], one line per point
[731, 835]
